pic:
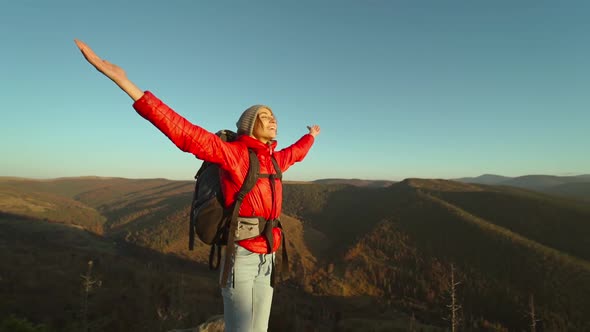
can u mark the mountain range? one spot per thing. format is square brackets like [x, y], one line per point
[363, 255]
[570, 186]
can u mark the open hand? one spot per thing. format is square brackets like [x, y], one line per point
[314, 130]
[110, 70]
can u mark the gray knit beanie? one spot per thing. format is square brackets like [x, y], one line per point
[246, 122]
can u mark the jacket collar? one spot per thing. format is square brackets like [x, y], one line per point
[257, 145]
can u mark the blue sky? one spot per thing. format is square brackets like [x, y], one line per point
[429, 89]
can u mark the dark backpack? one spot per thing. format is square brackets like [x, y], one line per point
[209, 219]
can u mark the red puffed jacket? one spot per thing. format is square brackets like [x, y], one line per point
[233, 159]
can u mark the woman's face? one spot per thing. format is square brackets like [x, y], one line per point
[265, 127]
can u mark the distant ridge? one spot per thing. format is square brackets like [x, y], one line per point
[83, 177]
[525, 181]
[543, 181]
[577, 186]
[356, 182]
[490, 179]
[439, 185]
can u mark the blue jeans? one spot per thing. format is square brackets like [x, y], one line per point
[246, 305]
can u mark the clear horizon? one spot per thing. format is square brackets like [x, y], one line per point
[286, 180]
[400, 89]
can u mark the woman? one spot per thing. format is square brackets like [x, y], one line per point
[247, 291]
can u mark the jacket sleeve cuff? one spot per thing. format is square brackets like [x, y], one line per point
[146, 103]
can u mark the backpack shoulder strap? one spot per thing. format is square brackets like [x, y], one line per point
[249, 183]
[251, 177]
[278, 172]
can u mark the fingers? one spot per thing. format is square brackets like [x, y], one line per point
[314, 130]
[87, 52]
[80, 43]
[82, 46]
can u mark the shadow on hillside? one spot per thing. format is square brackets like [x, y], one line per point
[351, 212]
[49, 234]
[44, 265]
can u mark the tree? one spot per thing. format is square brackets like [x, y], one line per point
[88, 284]
[454, 307]
[532, 314]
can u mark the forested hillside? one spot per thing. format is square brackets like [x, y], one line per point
[361, 257]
